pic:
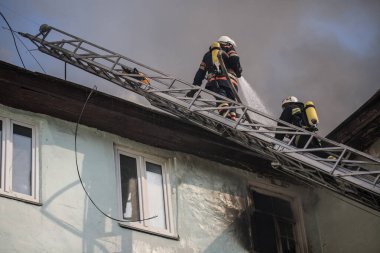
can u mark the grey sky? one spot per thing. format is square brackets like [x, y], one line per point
[326, 51]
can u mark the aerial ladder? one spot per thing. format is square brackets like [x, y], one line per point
[353, 174]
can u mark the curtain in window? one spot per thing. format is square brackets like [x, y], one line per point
[155, 195]
[129, 188]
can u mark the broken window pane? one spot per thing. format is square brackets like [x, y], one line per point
[129, 188]
[22, 160]
[155, 195]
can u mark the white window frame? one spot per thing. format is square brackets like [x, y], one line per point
[141, 159]
[7, 166]
[296, 205]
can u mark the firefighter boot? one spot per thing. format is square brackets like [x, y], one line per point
[232, 116]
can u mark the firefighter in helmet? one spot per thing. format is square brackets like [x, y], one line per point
[294, 112]
[217, 81]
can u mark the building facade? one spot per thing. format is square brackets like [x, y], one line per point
[172, 186]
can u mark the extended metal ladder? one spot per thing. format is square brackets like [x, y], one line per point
[351, 173]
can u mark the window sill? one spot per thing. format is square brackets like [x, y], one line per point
[148, 231]
[33, 202]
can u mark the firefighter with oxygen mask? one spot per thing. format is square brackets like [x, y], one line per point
[217, 80]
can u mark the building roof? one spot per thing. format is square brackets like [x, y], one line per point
[40, 93]
[362, 128]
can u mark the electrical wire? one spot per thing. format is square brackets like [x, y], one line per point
[14, 40]
[79, 176]
[29, 50]
[30, 53]
[76, 130]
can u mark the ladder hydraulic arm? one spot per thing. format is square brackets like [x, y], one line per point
[351, 173]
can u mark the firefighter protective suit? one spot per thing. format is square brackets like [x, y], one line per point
[217, 81]
[294, 113]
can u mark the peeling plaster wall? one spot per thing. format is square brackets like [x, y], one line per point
[209, 199]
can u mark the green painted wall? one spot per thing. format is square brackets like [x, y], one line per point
[345, 226]
[208, 202]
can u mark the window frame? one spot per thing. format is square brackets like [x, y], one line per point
[6, 184]
[141, 160]
[2, 155]
[295, 204]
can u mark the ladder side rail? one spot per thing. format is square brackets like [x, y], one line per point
[48, 30]
[106, 73]
[360, 183]
[353, 178]
[338, 172]
[92, 62]
[89, 69]
[81, 41]
[63, 41]
[219, 121]
[91, 54]
[359, 162]
[145, 66]
[268, 127]
[217, 118]
[320, 138]
[328, 169]
[353, 151]
[114, 53]
[372, 203]
[302, 131]
[362, 173]
[51, 28]
[249, 110]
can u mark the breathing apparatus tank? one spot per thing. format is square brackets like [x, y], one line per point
[215, 48]
[311, 114]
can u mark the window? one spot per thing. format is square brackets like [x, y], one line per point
[274, 225]
[19, 174]
[144, 192]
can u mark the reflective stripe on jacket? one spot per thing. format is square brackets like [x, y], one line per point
[231, 61]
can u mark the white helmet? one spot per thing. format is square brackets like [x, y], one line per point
[226, 39]
[290, 99]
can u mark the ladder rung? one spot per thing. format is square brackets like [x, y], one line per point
[246, 131]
